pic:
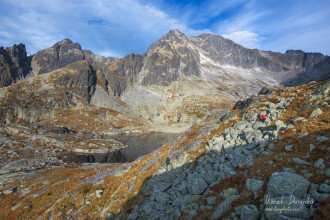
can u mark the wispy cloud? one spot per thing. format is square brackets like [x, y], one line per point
[246, 38]
[121, 27]
[112, 27]
[278, 26]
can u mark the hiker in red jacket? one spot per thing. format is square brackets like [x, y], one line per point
[263, 117]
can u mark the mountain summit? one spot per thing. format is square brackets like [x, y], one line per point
[174, 78]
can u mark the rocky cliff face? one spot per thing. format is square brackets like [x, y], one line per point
[61, 54]
[6, 77]
[170, 58]
[122, 73]
[15, 64]
[226, 52]
[38, 98]
[82, 83]
[96, 60]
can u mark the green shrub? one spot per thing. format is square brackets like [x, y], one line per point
[86, 191]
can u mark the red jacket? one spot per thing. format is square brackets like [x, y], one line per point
[263, 117]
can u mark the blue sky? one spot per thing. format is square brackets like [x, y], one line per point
[119, 27]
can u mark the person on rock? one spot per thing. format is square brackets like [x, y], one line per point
[263, 117]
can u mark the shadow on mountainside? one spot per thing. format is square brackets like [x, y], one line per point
[176, 192]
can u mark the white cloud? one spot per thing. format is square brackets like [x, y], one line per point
[120, 27]
[246, 38]
[107, 53]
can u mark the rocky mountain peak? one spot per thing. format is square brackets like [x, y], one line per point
[169, 59]
[175, 33]
[63, 42]
[294, 52]
[173, 37]
[61, 54]
[66, 45]
[15, 64]
[20, 59]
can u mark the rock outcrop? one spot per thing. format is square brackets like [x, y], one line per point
[96, 60]
[123, 73]
[170, 58]
[61, 54]
[82, 83]
[15, 64]
[39, 98]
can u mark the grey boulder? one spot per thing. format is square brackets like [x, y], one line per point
[287, 184]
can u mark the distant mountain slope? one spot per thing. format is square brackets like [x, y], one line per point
[179, 79]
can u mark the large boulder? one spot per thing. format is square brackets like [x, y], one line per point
[196, 186]
[254, 185]
[248, 212]
[224, 207]
[287, 184]
[267, 90]
[287, 207]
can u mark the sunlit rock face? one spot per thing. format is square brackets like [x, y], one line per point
[176, 77]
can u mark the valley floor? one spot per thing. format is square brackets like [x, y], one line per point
[233, 167]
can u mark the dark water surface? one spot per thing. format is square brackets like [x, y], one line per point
[142, 144]
[138, 145]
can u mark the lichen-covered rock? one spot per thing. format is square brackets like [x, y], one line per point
[288, 147]
[271, 146]
[227, 116]
[187, 199]
[298, 160]
[41, 101]
[248, 212]
[323, 89]
[314, 192]
[254, 185]
[229, 192]
[224, 207]
[287, 184]
[196, 186]
[267, 90]
[82, 83]
[319, 163]
[241, 125]
[316, 113]
[211, 200]
[258, 125]
[324, 188]
[287, 207]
